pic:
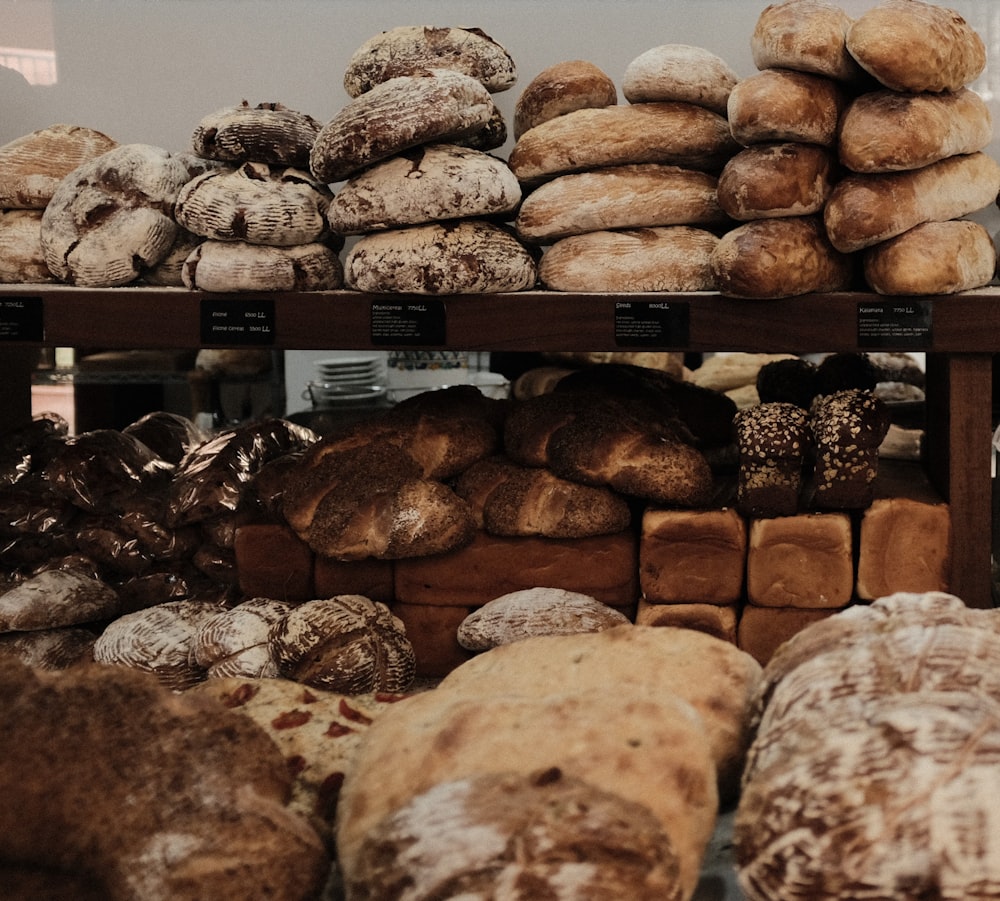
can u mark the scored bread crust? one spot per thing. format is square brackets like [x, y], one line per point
[265, 133]
[561, 88]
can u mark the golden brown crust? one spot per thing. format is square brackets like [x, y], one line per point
[770, 180]
[560, 89]
[679, 72]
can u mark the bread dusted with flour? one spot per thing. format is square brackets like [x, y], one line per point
[680, 72]
[266, 133]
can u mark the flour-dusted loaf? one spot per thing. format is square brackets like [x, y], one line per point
[910, 45]
[234, 266]
[432, 105]
[347, 643]
[425, 184]
[256, 203]
[535, 611]
[932, 258]
[408, 49]
[264, 133]
[56, 648]
[781, 257]
[22, 260]
[785, 105]
[618, 197]
[669, 258]
[671, 132]
[469, 256]
[787, 178]
[888, 131]
[561, 88]
[679, 72]
[57, 597]
[32, 165]
[236, 641]
[806, 36]
[498, 833]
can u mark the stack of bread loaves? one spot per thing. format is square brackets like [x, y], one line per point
[420, 186]
[625, 196]
[260, 212]
[873, 770]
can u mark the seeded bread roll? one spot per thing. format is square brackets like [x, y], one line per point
[888, 131]
[783, 105]
[265, 133]
[680, 72]
[560, 89]
[773, 440]
[909, 45]
[932, 258]
[766, 181]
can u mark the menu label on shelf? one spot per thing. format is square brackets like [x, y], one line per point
[408, 322]
[652, 323]
[21, 318]
[243, 322]
[902, 323]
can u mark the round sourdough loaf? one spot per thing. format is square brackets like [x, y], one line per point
[783, 257]
[55, 598]
[866, 209]
[542, 834]
[784, 105]
[671, 258]
[265, 133]
[806, 36]
[561, 88]
[468, 256]
[230, 266]
[424, 184]
[909, 45]
[765, 181]
[33, 165]
[408, 49]
[615, 197]
[886, 131]
[680, 72]
[22, 260]
[679, 134]
[649, 750]
[432, 105]
[236, 641]
[932, 258]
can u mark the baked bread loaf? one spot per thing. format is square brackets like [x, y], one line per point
[470, 256]
[268, 133]
[785, 105]
[932, 258]
[674, 133]
[762, 630]
[890, 131]
[670, 258]
[794, 380]
[535, 611]
[717, 620]
[783, 257]
[236, 642]
[22, 260]
[561, 88]
[806, 36]
[256, 203]
[765, 181]
[774, 442]
[618, 197]
[58, 648]
[909, 45]
[409, 49]
[235, 266]
[550, 831]
[679, 72]
[57, 597]
[431, 105]
[157, 795]
[32, 165]
[424, 184]
[347, 644]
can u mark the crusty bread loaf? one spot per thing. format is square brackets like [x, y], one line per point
[57, 597]
[679, 72]
[57, 648]
[679, 134]
[909, 45]
[773, 443]
[272, 561]
[237, 641]
[433, 632]
[787, 178]
[782, 257]
[932, 258]
[762, 630]
[807, 36]
[561, 88]
[22, 260]
[887, 131]
[668, 258]
[713, 619]
[552, 831]
[784, 105]
[407, 49]
[618, 197]
[265, 133]
[234, 266]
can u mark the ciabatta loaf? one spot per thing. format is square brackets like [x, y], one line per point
[680, 72]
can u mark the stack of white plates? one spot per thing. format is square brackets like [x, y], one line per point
[347, 378]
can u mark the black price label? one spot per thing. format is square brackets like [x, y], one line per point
[653, 323]
[408, 322]
[21, 319]
[242, 322]
[900, 323]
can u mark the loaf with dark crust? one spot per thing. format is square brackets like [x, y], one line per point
[265, 133]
